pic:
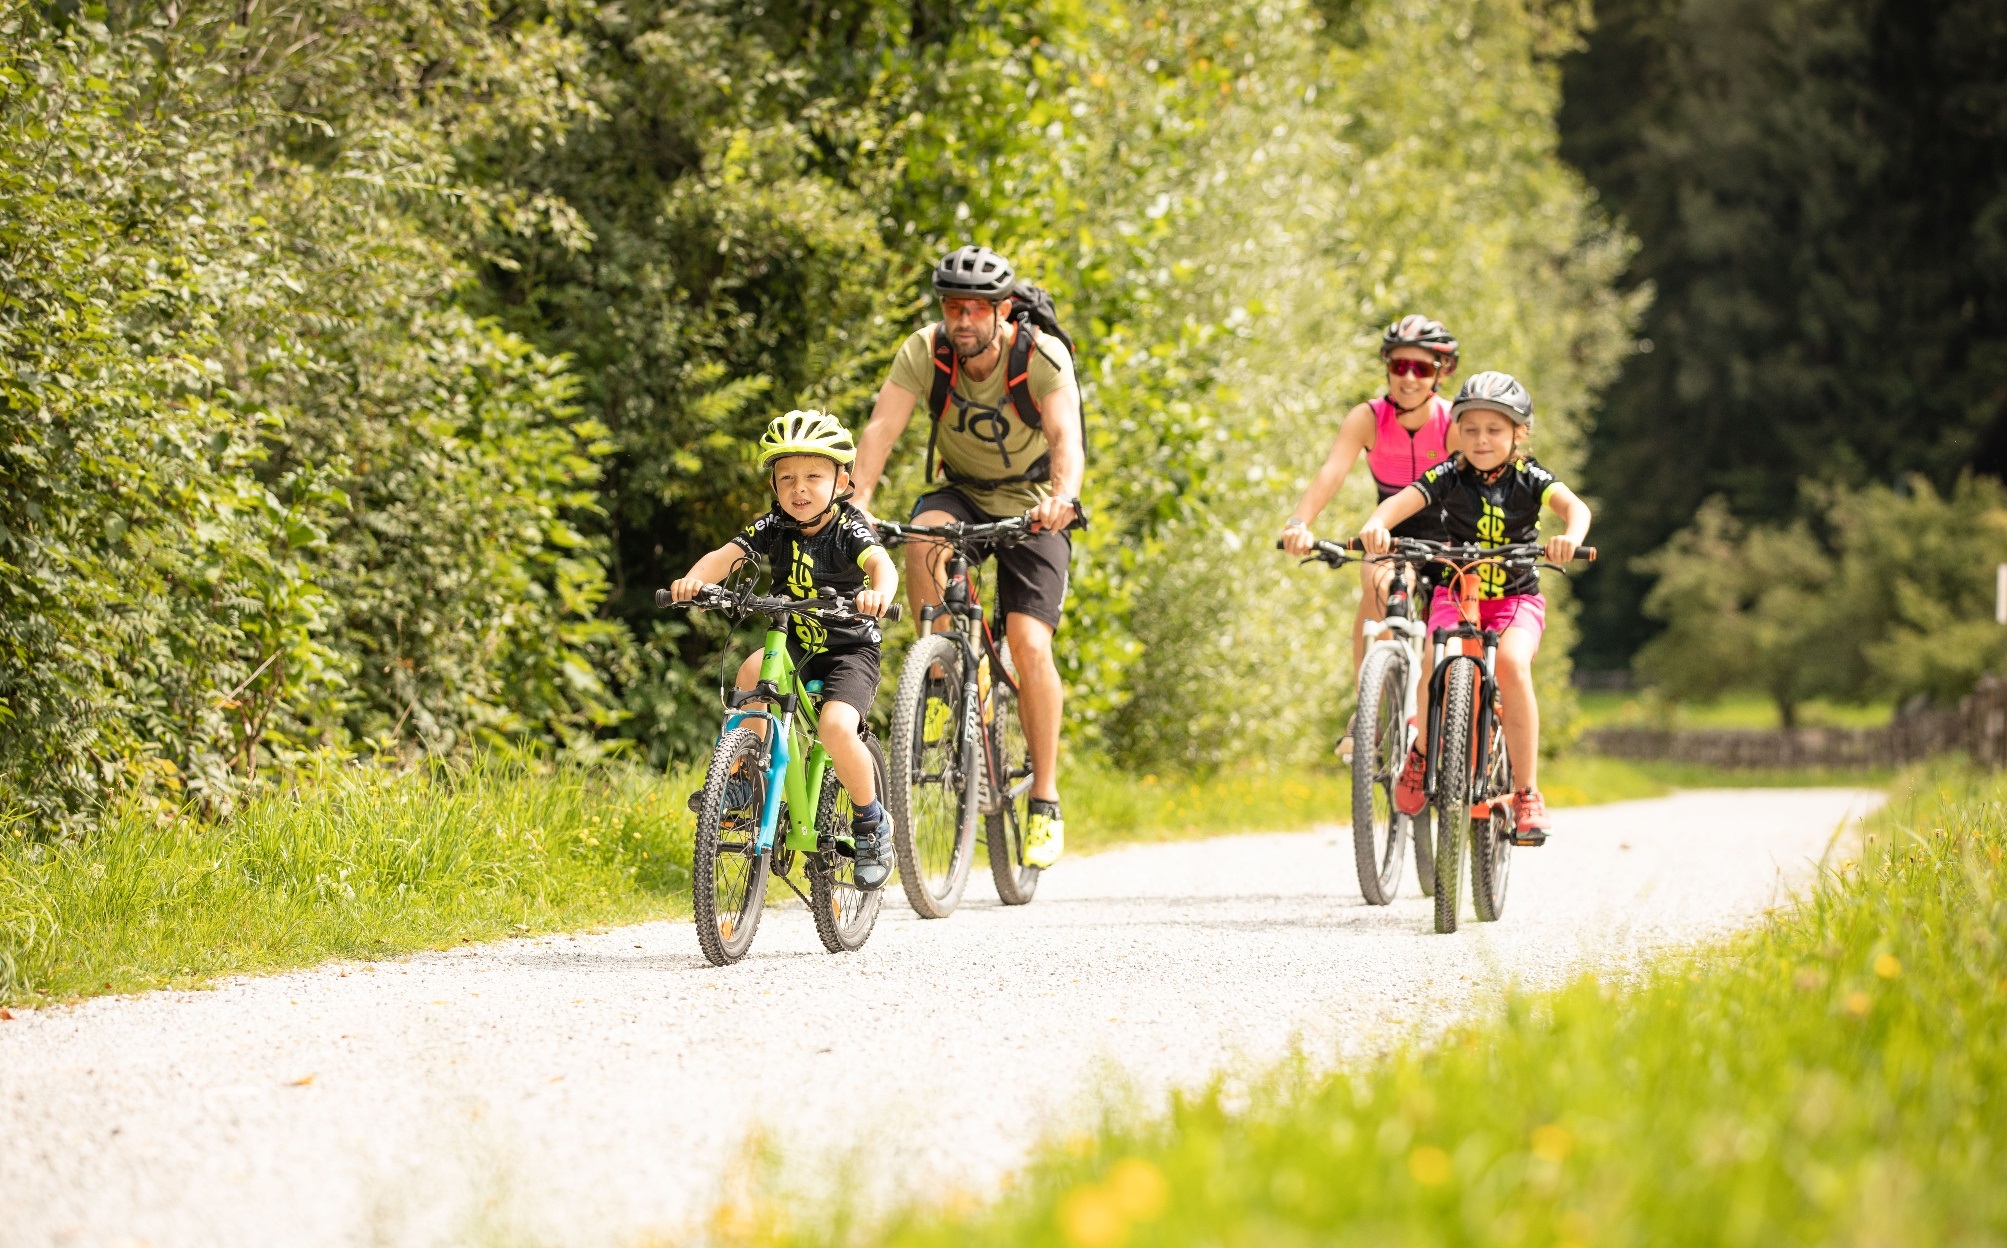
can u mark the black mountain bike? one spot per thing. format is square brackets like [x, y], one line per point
[957, 748]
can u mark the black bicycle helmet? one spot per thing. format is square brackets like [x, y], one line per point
[1415, 330]
[973, 273]
[1501, 393]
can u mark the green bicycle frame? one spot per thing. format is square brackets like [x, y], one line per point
[795, 760]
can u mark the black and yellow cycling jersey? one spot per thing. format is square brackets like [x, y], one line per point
[1496, 508]
[831, 559]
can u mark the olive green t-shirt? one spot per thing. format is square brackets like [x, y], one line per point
[986, 441]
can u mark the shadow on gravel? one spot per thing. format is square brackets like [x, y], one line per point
[640, 960]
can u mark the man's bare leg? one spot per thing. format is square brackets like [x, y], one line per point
[927, 570]
[1041, 699]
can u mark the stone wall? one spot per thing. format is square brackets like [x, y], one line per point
[1978, 725]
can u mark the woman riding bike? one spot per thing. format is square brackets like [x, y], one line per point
[1403, 435]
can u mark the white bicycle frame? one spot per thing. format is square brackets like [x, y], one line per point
[1410, 635]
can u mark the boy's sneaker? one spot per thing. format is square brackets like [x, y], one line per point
[1411, 794]
[1530, 822]
[1044, 834]
[738, 795]
[873, 850]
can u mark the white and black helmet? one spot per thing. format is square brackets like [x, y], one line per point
[1415, 330]
[973, 273]
[1499, 392]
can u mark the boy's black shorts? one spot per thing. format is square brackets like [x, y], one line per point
[850, 677]
[1031, 574]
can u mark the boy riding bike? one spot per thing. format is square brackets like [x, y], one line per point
[816, 542]
[1490, 494]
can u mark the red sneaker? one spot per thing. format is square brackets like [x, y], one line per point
[1529, 818]
[1411, 795]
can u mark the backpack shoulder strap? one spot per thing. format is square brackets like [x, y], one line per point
[1017, 374]
[947, 367]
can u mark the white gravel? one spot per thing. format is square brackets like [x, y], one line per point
[589, 1089]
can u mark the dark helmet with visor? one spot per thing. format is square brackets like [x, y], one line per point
[973, 273]
[1498, 392]
[1419, 331]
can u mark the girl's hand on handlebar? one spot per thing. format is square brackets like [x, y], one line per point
[1298, 540]
[1561, 549]
[872, 602]
[687, 588]
[1375, 538]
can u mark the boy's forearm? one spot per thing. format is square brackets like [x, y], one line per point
[717, 565]
[882, 573]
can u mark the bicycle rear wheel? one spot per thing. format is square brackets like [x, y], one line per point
[728, 873]
[1491, 840]
[1453, 789]
[1379, 832]
[844, 913]
[934, 801]
[1007, 798]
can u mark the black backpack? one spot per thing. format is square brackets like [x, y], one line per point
[1032, 314]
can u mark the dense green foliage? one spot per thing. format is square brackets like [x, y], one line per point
[365, 369]
[1895, 601]
[1832, 1077]
[1819, 190]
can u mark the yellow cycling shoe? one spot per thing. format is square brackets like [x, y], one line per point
[936, 724]
[1044, 835]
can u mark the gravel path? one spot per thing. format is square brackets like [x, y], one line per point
[584, 1090]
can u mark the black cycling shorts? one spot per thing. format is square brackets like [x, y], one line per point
[1031, 573]
[850, 676]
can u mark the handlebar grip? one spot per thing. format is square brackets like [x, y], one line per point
[894, 611]
[663, 600]
[1586, 552]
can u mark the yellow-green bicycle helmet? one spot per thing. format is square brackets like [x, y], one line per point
[806, 432]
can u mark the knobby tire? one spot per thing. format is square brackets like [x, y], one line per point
[1491, 840]
[1379, 832]
[844, 913]
[1007, 761]
[933, 821]
[729, 882]
[1453, 789]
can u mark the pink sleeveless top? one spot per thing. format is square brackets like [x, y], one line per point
[1398, 457]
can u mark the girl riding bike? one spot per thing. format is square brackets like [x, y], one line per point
[1402, 435]
[1490, 493]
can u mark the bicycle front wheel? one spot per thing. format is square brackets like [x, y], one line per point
[935, 798]
[1453, 789]
[1491, 839]
[844, 913]
[1379, 832]
[728, 873]
[1007, 798]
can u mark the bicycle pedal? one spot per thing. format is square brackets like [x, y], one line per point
[1529, 840]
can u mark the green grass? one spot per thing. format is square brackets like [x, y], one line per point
[368, 863]
[357, 863]
[1734, 710]
[1836, 1076]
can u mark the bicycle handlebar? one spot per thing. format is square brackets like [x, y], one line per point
[717, 598]
[958, 532]
[1416, 550]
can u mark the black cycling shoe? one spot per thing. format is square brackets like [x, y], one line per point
[738, 796]
[872, 848]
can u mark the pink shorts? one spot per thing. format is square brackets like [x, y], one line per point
[1498, 614]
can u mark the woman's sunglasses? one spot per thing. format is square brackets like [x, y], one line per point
[1412, 368]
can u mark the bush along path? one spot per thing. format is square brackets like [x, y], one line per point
[600, 1086]
[1835, 1076]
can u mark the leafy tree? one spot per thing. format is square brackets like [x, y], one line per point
[1819, 190]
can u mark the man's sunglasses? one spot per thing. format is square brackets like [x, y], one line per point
[1413, 368]
[967, 308]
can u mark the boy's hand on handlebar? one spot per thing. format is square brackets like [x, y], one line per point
[1561, 549]
[1298, 540]
[1375, 538]
[687, 588]
[872, 602]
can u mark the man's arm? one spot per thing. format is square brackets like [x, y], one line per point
[889, 417]
[1066, 443]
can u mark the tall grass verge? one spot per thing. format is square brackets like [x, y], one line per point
[1836, 1076]
[356, 862]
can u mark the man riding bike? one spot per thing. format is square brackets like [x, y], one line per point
[996, 461]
